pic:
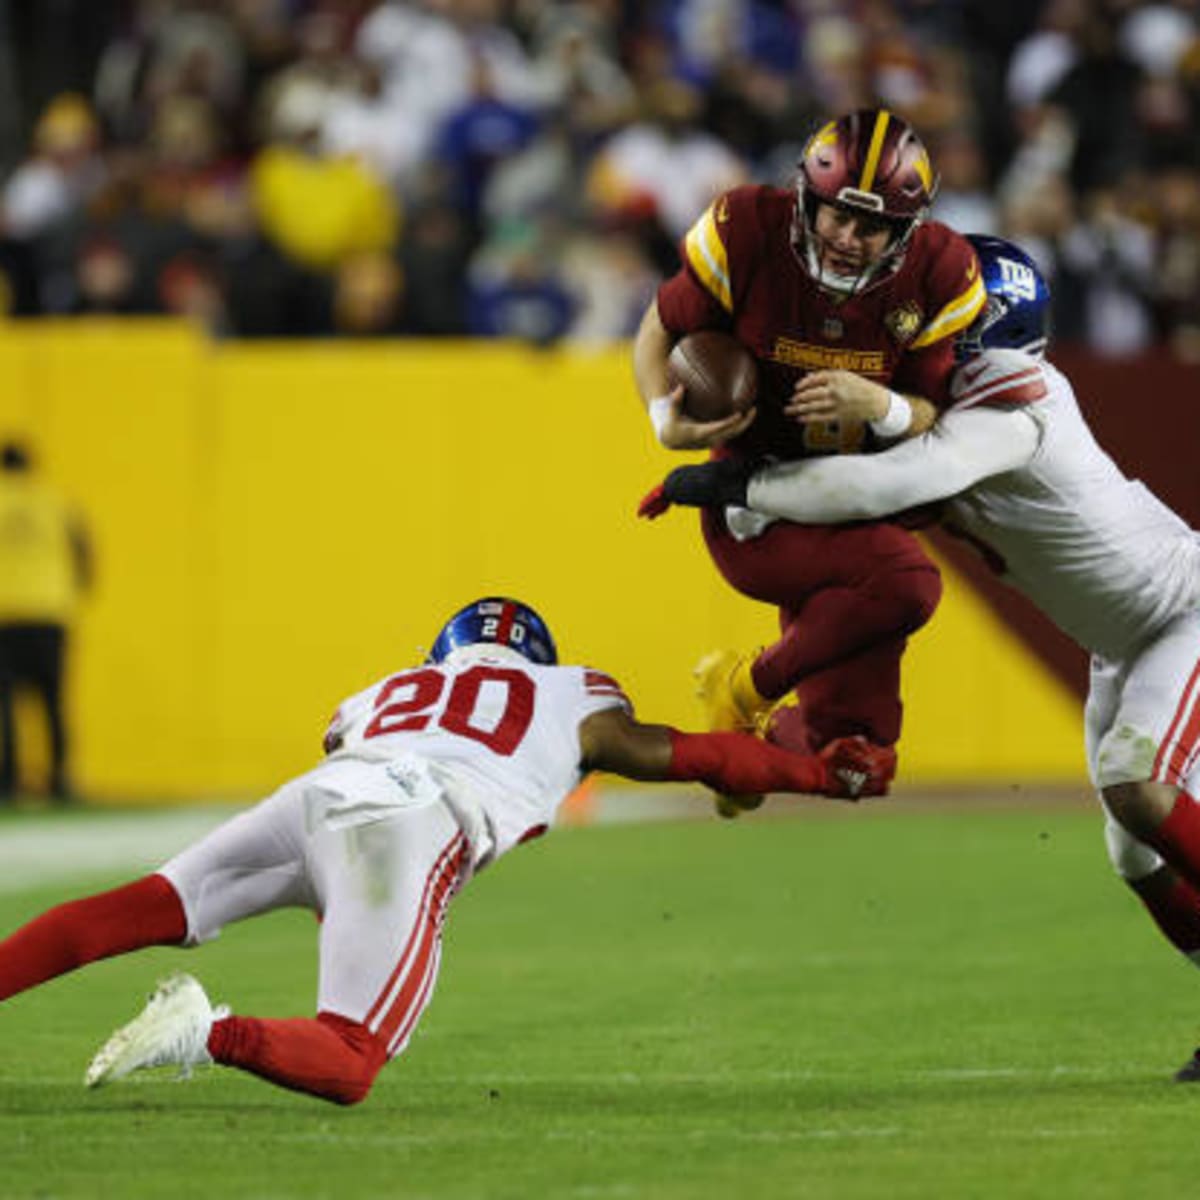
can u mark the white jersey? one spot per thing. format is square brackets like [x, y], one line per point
[1022, 474]
[501, 733]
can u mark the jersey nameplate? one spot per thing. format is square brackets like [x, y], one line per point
[826, 358]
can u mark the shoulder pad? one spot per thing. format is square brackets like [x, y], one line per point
[999, 379]
[730, 230]
[954, 285]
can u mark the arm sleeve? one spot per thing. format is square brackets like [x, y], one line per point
[737, 762]
[960, 450]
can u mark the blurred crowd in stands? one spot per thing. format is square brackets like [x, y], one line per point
[524, 167]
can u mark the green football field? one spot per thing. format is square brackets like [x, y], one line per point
[898, 1001]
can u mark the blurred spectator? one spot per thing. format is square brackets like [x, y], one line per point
[1043, 58]
[516, 288]
[1113, 256]
[434, 257]
[478, 136]
[190, 286]
[1178, 209]
[170, 48]
[1098, 97]
[242, 152]
[64, 170]
[105, 277]
[368, 298]
[611, 280]
[318, 210]
[965, 200]
[45, 567]
[664, 164]
[1157, 36]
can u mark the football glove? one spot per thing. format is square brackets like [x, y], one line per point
[714, 484]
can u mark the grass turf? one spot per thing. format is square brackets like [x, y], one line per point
[878, 1003]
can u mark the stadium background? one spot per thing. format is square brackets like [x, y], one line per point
[192, 186]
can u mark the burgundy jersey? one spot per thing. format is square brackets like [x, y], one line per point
[741, 274]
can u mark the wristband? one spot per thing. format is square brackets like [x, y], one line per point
[896, 420]
[660, 411]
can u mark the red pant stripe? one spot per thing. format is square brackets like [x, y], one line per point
[418, 925]
[1183, 735]
[406, 1006]
[397, 1044]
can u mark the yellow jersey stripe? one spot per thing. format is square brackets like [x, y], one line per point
[958, 314]
[874, 150]
[706, 253]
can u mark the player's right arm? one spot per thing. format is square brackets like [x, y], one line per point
[663, 400]
[698, 296]
[613, 740]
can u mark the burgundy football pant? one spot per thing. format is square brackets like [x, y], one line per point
[848, 597]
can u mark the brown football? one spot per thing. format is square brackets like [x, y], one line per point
[719, 375]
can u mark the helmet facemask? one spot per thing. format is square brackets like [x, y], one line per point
[809, 244]
[872, 163]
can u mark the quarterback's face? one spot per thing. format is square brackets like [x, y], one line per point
[848, 241]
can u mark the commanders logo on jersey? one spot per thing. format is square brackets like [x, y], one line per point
[903, 322]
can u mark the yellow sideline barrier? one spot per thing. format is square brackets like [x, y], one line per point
[278, 525]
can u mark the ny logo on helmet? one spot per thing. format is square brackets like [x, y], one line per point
[1017, 279]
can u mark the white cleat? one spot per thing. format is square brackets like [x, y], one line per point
[172, 1030]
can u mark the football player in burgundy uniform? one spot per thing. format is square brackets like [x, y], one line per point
[429, 775]
[849, 300]
[1022, 477]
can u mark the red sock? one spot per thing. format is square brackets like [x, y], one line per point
[1177, 839]
[1175, 906]
[147, 912]
[330, 1057]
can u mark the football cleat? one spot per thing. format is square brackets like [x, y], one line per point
[730, 807]
[858, 767]
[171, 1031]
[1190, 1071]
[726, 689]
[731, 704]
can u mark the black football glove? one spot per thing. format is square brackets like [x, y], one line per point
[710, 485]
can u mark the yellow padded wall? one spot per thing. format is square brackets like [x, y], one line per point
[278, 525]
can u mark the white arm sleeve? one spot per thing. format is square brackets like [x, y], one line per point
[960, 450]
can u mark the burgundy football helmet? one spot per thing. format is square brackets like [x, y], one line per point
[870, 161]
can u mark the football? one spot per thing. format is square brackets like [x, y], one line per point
[719, 375]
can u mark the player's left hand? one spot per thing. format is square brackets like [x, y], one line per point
[836, 396]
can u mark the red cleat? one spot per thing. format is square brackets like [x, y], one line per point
[858, 767]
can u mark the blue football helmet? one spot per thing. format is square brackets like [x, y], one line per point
[1017, 313]
[499, 620]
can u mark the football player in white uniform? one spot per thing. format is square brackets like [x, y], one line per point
[429, 775]
[1022, 477]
